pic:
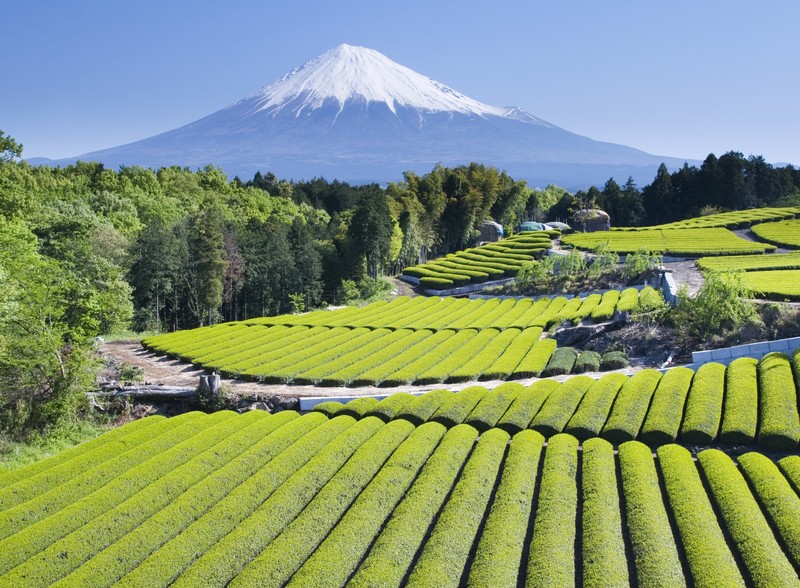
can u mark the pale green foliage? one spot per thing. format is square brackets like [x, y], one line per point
[720, 305]
[640, 263]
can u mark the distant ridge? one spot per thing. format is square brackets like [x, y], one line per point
[355, 115]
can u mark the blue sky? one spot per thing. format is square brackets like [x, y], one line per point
[679, 78]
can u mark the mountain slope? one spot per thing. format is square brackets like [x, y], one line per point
[353, 114]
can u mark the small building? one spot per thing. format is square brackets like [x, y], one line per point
[490, 232]
[589, 220]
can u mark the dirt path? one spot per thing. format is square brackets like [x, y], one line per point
[686, 274]
[160, 370]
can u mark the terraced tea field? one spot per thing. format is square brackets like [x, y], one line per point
[480, 264]
[290, 500]
[408, 340]
[691, 242]
[736, 219]
[783, 234]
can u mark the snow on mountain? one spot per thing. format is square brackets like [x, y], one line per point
[353, 114]
[358, 73]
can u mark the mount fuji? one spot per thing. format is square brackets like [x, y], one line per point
[354, 115]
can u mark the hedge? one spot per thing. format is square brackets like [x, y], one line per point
[329, 407]
[747, 527]
[628, 299]
[268, 437]
[406, 367]
[394, 550]
[295, 542]
[630, 407]
[587, 307]
[431, 283]
[388, 408]
[587, 361]
[45, 552]
[778, 499]
[26, 505]
[455, 409]
[358, 408]
[525, 406]
[740, 407]
[499, 552]
[704, 405]
[496, 345]
[654, 550]
[447, 359]
[421, 408]
[504, 366]
[446, 552]
[605, 310]
[493, 405]
[294, 445]
[710, 559]
[603, 546]
[666, 409]
[337, 557]
[614, 360]
[535, 359]
[561, 362]
[560, 406]
[551, 561]
[779, 423]
[222, 562]
[595, 407]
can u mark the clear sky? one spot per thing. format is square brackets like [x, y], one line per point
[680, 78]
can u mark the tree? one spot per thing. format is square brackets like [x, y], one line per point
[207, 255]
[657, 197]
[371, 229]
[9, 148]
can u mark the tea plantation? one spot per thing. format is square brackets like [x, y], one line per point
[475, 488]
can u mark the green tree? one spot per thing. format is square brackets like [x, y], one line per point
[9, 148]
[207, 261]
[371, 230]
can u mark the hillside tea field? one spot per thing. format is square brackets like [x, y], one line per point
[736, 219]
[284, 499]
[784, 233]
[688, 242]
[488, 262]
[408, 340]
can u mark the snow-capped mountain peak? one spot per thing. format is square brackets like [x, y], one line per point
[358, 73]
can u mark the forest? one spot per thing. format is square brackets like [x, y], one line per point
[86, 250]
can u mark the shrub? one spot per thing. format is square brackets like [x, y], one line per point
[455, 409]
[588, 361]
[396, 547]
[630, 407]
[666, 409]
[766, 563]
[526, 405]
[777, 497]
[704, 405]
[740, 407]
[501, 543]
[614, 360]
[654, 550]
[551, 561]
[710, 559]
[560, 405]
[493, 405]
[604, 560]
[446, 552]
[779, 424]
[595, 407]
[718, 306]
[561, 362]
